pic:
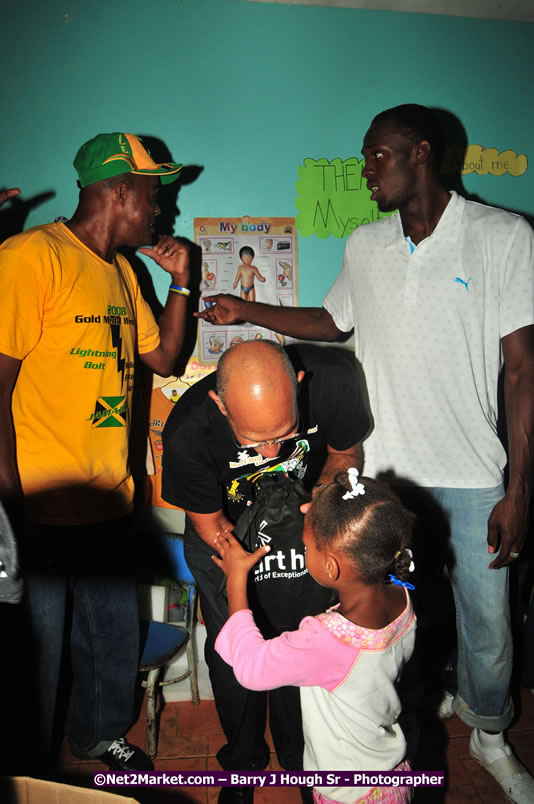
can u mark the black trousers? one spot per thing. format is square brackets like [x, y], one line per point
[242, 712]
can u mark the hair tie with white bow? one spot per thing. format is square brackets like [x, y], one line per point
[407, 550]
[412, 565]
[356, 488]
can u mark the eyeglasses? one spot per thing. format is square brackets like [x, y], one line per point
[271, 442]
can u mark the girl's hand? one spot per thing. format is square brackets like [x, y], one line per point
[234, 560]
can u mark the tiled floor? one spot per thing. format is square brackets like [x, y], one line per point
[190, 736]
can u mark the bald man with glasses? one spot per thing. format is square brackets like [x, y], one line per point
[298, 410]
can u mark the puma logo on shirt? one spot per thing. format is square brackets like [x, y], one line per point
[463, 282]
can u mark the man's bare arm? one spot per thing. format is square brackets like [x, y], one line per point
[341, 460]
[9, 476]
[171, 255]
[308, 323]
[209, 525]
[508, 522]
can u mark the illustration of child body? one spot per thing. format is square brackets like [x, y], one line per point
[246, 274]
[347, 660]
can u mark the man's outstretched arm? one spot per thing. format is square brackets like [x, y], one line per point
[308, 323]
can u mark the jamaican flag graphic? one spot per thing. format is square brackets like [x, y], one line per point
[110, 411]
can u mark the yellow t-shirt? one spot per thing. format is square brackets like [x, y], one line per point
[75, 321]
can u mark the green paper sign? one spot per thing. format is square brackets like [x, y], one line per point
[333, 198]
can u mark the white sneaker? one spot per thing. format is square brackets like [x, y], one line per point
[496, 757]
[445, 710]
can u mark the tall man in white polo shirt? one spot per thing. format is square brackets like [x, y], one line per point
[440, 295]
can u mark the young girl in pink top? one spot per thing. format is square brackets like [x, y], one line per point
[347, 660]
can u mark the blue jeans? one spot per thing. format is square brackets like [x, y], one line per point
[481, 598]
[525, 571]
[80, 577]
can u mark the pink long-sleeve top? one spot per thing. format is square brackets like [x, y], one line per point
[347, 675]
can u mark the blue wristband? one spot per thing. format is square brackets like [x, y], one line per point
[180, 290]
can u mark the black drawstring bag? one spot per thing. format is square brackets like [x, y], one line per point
[281, 590]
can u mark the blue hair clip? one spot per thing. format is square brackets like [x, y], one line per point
[401, 583]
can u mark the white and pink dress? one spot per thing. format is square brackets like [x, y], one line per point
[347, 675]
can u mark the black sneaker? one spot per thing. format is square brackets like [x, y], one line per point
[122, 755]
[306, 794]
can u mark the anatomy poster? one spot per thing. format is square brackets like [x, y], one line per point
[253, 258]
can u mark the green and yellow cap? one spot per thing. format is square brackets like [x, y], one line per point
[108, 155]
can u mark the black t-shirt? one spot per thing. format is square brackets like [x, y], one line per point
[204, 470]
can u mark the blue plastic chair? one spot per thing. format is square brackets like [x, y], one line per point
[164, 640]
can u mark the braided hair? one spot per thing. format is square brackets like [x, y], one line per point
[373, 530]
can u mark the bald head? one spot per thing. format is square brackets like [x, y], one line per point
[257, 391]
[253, 367]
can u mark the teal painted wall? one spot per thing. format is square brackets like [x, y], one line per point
[247, 91]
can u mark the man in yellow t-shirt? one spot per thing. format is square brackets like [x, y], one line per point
[72, 318]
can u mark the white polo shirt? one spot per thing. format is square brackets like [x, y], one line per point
[427, 329]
